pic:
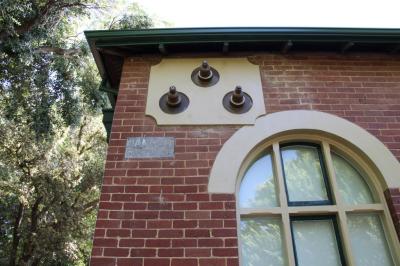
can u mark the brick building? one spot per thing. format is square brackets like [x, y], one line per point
[250, 146]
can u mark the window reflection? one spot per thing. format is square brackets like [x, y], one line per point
[352, 187]
[303, 174]
[368, 240]
[315, 243]
[261, 242]
[257, 189]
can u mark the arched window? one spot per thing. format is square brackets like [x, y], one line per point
[308, 199]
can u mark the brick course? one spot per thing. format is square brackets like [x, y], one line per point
[158, 212]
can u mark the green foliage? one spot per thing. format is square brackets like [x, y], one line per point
[128, 22]
[135, 19]
[52, 144]
[56, 185]
[40, 67]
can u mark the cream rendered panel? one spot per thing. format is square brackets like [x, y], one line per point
[205, 107]
[233, 153]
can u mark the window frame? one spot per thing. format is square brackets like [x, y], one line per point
[316, 218]
[329, 201]
[284, 211]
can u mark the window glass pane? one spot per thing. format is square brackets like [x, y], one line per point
[368, 240]
[303, 174]
[315, 243]
[261, 242]
[352, 187]
[257, 189]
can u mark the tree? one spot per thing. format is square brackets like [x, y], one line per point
[52, 144]
[135, 19]
[51, 189]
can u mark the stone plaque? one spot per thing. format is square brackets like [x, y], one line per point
[150, 147]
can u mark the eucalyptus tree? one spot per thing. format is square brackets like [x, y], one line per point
[52, 144]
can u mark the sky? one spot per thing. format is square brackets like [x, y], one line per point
[268, 13]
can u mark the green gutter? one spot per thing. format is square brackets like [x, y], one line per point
[254, 31]
[204, 35]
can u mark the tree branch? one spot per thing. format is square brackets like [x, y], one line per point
[30, 23]
[40, 16]
[80, 133]
[113, 21]
[89, 140]
[29, 246]
[59, 51]
[88, 207]
[16, 235]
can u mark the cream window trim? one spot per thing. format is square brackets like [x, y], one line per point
[235, 152]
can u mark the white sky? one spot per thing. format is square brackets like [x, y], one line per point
[275, 13]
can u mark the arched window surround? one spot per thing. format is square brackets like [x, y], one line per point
[243, 142]
[369, 156]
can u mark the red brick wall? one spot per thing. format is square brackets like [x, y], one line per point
[158, 212]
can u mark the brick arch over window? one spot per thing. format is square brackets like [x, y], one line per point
[225, 171]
